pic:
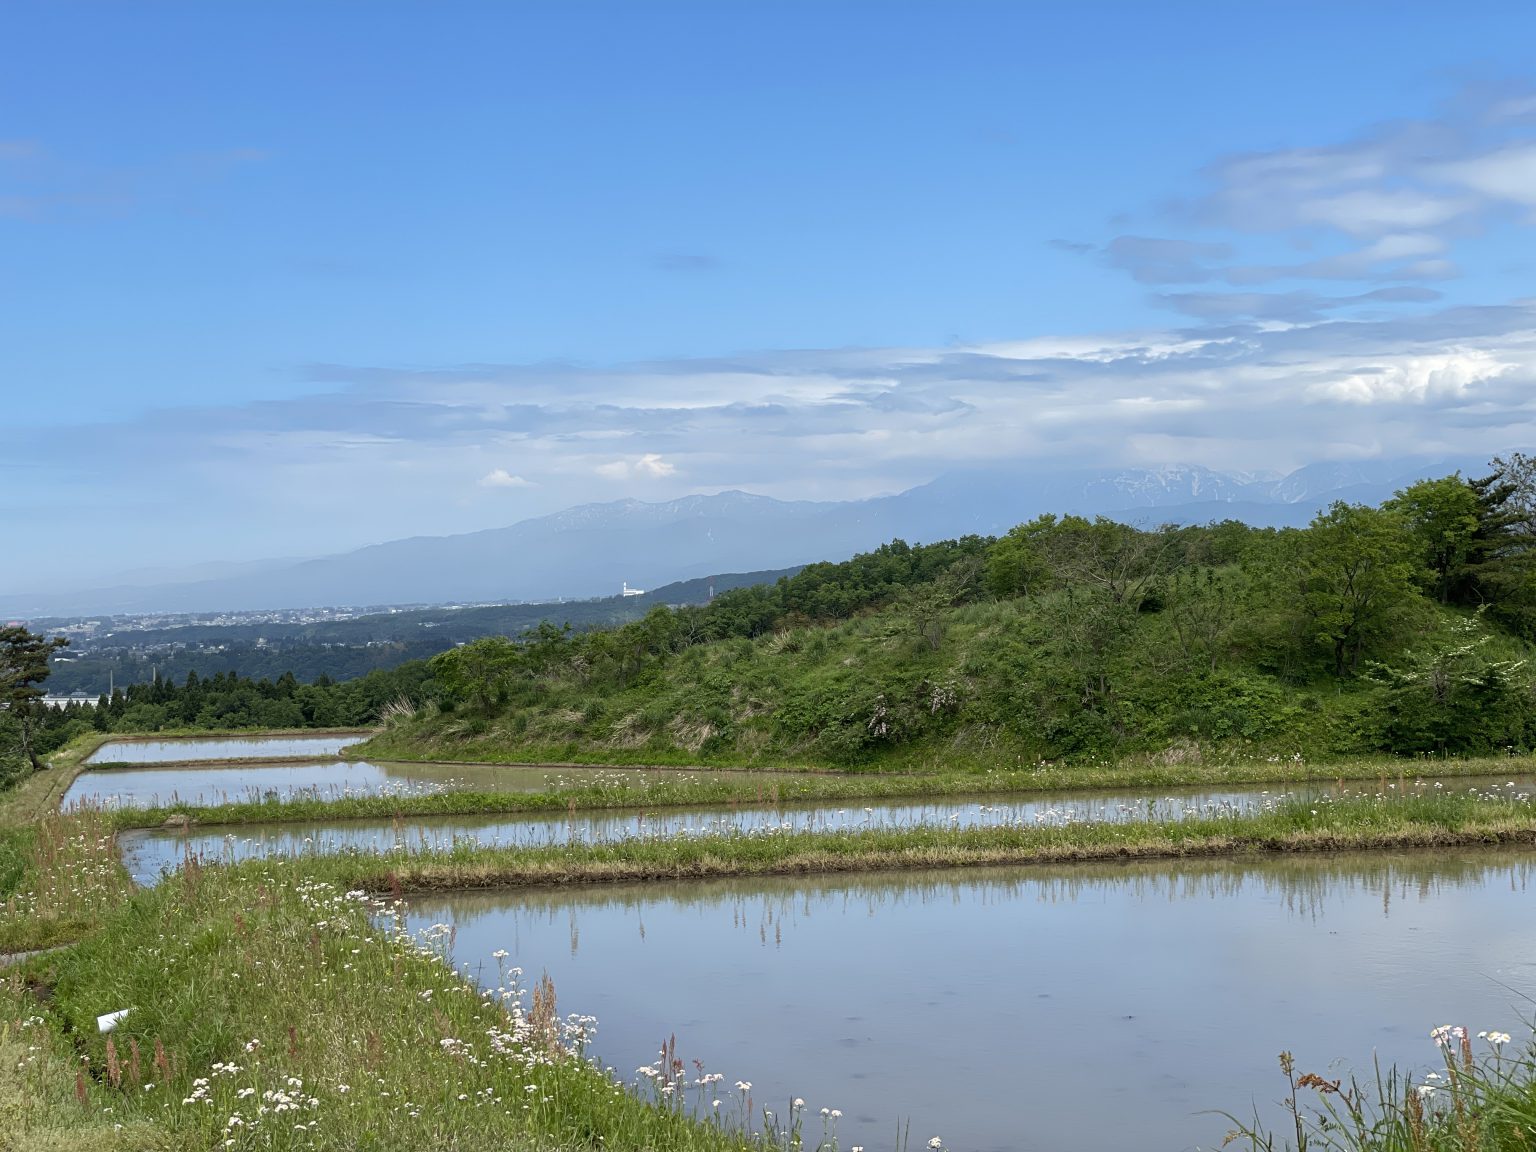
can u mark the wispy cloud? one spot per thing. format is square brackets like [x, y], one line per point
[1227, 393]
[1389, 206]
[382, 453]
[1308, 323]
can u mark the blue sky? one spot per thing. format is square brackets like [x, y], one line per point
[283, 279]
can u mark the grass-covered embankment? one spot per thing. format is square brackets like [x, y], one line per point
[1351, 823]
[1115, 644]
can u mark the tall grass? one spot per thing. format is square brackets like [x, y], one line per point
[1477, 1103]
[57, 879]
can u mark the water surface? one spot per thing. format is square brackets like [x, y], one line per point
[1087, 1007]
[219, 748]
[215, 784]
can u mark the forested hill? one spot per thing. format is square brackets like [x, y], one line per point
[1402, 628]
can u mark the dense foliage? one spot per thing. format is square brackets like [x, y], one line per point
[91, 672]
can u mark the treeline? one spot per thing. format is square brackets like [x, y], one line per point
[234, 701]
[224, 700]
[92, 672]
[1402, 628]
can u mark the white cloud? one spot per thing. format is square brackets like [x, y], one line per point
[1456, 374]
[654, 466]
[1374, 211]
[649, 467]
[501, 478]
[1322, 368]
[1505, 174]
[389, 459]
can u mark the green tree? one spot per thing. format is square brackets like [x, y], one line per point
[23, 667]
[1016, 565]
[1356, 580]
[1101, 554]
[481, 672]
[1503, 568]
[1445, 519]
[1456, 698]
[1202, 607]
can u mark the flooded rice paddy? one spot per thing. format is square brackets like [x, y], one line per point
[1085, 1007]
[212, 785]
[172, 751]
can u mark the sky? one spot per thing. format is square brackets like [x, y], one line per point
[281, 280]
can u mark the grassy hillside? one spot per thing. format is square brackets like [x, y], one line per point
[1371, 631]
[1002, 689]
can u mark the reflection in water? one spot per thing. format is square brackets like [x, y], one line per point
[1303, 884]
[219, 748]
[236, 784]
[1092, 1006]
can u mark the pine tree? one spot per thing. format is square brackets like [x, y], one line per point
[23, 667]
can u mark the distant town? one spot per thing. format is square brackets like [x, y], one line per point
[108, 651]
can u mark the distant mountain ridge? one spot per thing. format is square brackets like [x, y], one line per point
[594, 549]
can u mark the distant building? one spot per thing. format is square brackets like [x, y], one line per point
[66, 701]
[628, 591]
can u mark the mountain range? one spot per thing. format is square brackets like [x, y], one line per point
[594, 549]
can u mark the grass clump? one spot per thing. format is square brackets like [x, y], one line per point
[57, 878]
[45, 1104]
[1475, 1103]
